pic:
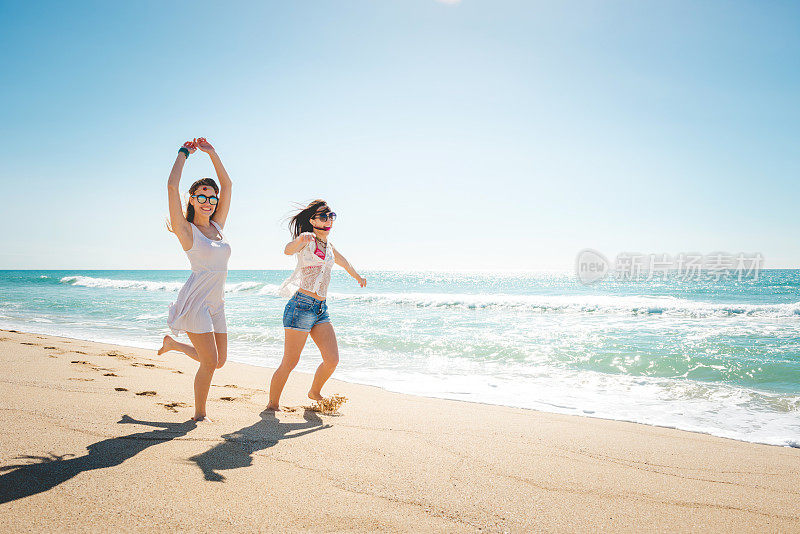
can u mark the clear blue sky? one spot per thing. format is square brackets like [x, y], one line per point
[476, 134]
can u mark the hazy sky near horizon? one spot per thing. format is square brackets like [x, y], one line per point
[473, 134]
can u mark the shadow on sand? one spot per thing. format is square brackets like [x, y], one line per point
[238, 448]
[23, 480]
[41, 473]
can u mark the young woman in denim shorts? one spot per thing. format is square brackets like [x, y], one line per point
[307, 311]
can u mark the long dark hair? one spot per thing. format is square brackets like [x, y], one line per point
[301, 221]
[189, 208]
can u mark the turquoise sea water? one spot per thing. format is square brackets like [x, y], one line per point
[717, 357]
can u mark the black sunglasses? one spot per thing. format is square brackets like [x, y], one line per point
[325, 216]
[201, 199]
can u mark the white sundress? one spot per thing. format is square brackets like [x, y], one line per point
[312, 272]
[200, 307]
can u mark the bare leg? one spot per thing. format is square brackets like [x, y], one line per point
[222, 349]
[293, 345]
[325, 338]
[171, 344]
[206, 348]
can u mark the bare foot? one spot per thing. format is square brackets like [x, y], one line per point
[315, 396]
[273, 408]
[166, 345]
[201, 418]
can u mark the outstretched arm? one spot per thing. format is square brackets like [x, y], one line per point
[224, 204]
[342, 262]
[177, 221]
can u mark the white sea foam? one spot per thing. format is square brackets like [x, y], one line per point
[719, 409]
[242, 286]
[146, 316]
[269, 289]
[152, 285]
[576, 303]
[613, 304]
[109, 283]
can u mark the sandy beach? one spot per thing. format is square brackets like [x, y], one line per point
[98, 437]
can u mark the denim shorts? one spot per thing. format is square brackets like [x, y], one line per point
[303, 312]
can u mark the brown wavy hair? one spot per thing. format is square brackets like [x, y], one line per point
[301, 221]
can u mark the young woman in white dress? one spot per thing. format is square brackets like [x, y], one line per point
[200, 307]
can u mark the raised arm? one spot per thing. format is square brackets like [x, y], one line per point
[178, 223]
[342, 262]
[224, 204]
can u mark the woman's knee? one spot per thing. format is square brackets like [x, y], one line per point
[207, 368]
[221, 359]
[331, 358]
[209, 358]
[289, 363]
[206, 348]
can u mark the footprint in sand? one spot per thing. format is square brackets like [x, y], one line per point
[79, 352]
[172, 406]
[227, 398]
[80, 362]
[115, 354]
[177, 372]
[147, 393]
[81, 379]
[110, 374]
[137, 364]
[51, 348]
[26, 343]
[120, 389]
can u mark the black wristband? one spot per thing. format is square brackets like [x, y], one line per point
[185, 151]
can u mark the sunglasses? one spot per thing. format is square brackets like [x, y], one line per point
[201, 199]
[325, 216]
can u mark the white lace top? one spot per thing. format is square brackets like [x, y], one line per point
[313, 273]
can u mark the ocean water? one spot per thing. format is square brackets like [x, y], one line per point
[716, 357]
